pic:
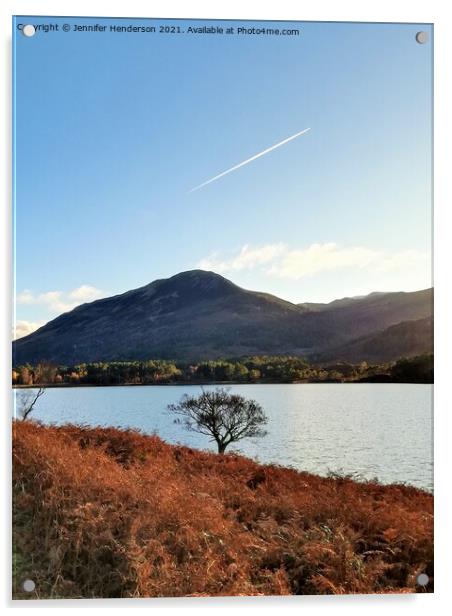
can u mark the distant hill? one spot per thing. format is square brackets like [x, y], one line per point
[374, 311]
[340, 303]
[406, 339]
[198, 315]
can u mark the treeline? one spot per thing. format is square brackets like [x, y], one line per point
[417, 369]
[279, 369]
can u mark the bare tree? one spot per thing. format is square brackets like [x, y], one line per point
[225, 417]
[26, 402]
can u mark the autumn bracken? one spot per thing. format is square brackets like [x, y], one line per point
[102, 512]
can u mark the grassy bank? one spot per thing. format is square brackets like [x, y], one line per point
[111, 513]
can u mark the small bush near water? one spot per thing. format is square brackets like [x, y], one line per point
[110, 513]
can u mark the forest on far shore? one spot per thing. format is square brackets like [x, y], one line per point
[260, 369]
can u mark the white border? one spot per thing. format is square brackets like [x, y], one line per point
[434, 11]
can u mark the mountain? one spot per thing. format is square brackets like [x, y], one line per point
[359, 316]
[198, 315]
[406, 339]
[338, 303]
[193, 315]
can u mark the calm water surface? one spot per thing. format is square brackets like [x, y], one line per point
[370, 430]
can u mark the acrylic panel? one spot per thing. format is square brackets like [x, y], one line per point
[223, 308]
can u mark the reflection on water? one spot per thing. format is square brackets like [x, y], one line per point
[370, 430]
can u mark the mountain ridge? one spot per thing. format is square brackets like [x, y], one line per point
[202, 315]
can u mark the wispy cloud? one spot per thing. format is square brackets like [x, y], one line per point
[249, 160]
[247, 258]
[23, 328]
[400, 260]
[56, 302]
[281, 261]
[318, 258]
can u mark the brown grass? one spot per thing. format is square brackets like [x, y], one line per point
[110, 513]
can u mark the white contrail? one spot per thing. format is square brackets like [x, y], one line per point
[249, 160]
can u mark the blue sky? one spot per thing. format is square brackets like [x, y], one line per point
[112, 131]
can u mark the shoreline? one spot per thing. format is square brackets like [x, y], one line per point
[338, 475]
[214, 384]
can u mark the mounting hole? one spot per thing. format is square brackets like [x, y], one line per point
[28, 30]
[422, 579]
[29, 586]
[421, 37]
